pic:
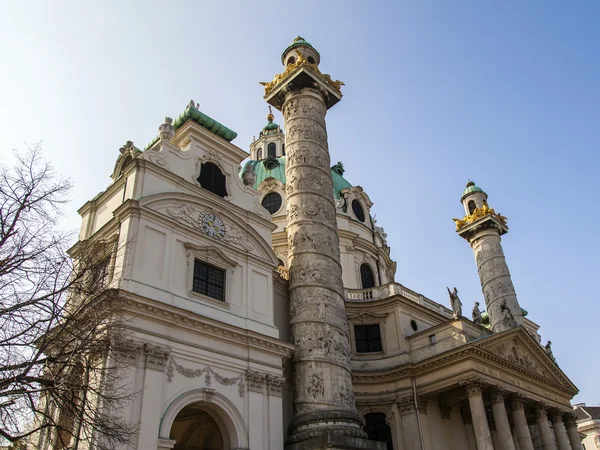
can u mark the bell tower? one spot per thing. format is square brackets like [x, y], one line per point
[324, 412]
[482, 228]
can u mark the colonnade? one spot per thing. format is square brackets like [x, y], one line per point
[562, 435]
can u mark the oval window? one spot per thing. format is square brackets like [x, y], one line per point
[358, 210]
[272, 202]
[413, 325]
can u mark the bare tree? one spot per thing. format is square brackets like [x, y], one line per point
[61, 353]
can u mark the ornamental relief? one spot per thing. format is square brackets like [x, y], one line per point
[312, 211]
[323, 341]
[302, 182]
[208, 373]
[307, 132]
[515, 354]
[305, 240]
[312, 298]
[307, 155]
[195, 218]
[304, 107]
[319, 272]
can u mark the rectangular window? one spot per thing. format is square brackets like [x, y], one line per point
[367, 338]
[100, 273]
[209, 280]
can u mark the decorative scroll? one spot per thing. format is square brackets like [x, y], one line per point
[208, 373]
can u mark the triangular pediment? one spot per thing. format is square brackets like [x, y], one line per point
[519, 349]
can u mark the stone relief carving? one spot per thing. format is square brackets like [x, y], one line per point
[307, 183]
[275, 385]
[305, 240]
[166, 130]
[156, 357]
[513, 353]
[256, 381]
[407, 404]
[311, 211]
[308, 155]
[193, 217]
[315, 388]
[208, 373]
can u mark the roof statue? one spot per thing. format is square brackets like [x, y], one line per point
[477, 319]
[455, 302]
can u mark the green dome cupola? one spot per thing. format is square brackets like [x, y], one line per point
[470, 189]
[300, 45]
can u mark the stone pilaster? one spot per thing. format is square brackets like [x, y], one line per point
[571, 425]
[483, 437]
[560, 432]
[323, 395]
[543, 425]
[520, 420]
[505, 438]
[496, 284]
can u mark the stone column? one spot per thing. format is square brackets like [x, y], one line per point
[323, 395]
[505, 438]
[541, 419]
[483, 437]
[446, 415]
[571, 424]
[496, 284]
[521, 427]
[560, 432]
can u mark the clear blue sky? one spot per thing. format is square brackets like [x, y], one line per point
[505, 93]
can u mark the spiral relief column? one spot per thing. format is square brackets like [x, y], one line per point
[324, 410]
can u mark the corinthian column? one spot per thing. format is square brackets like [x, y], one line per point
[521, 427]
[544, 427]
[323, 395]
[483, 437]
[559, 430]
[571, 425]
[505, 438]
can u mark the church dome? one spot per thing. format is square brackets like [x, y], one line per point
[299, 42]
[471, 188]
[270, 126]
[275, 168]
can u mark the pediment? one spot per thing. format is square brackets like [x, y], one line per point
[219, 225]
[519, 349]
[367, 317]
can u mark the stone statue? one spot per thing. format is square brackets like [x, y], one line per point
[166, 131]
[548, 348]
[477, 319]
[507, 316]
[455, 302]
[249, 176]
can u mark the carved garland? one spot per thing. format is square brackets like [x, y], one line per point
[208, 373]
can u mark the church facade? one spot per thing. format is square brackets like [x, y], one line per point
[264, 309]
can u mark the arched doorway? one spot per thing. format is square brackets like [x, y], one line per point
[194, 428]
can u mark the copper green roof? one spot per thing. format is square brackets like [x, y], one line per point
[193, 113]
[298, 42]
[275, 168]
[471, 187]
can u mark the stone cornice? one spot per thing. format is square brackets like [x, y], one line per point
[455, 356]
[395, 300]
[208, 327]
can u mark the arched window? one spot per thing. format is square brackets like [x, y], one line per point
[283, 149]
[366, 276]
[195, 428]
[259, 154]
[280, 262]
[358, 211]
[291, 60]
[378, 430]
[212, 179]
[272, 150]
[471, 205]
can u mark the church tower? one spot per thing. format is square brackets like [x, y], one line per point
[324, 409]
[482, 228]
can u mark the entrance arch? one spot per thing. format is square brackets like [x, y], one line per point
[203, 419]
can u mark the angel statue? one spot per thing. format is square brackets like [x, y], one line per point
[455, 302]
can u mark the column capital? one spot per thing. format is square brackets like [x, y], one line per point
[407, 404]
[473, 386]
[516, 401]
[570, 420]
[497, 394]
[556, 415]
[541, 410]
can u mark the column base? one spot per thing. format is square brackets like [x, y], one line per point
[331, 441]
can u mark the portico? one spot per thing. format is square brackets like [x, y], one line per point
[485, 395]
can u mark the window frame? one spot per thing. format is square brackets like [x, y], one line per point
[356, 201]
[211, 256]
[223, 174]
[355, 342]
[280, 205]
[386, 421]
[198, 261]
[272, 146]
[364, 263]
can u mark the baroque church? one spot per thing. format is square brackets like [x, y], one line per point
[265, 311]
